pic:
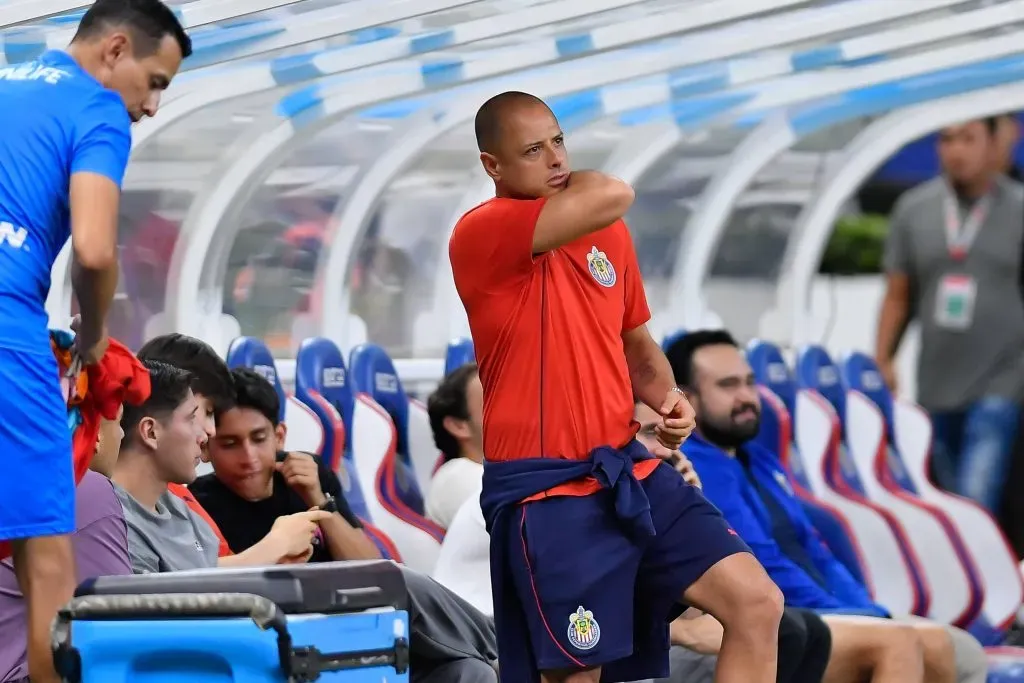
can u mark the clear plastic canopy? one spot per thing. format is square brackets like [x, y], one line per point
[308, 164]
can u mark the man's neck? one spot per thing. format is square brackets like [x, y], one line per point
[972, 190]
[135, 473]
[473, 455]
[730, 451]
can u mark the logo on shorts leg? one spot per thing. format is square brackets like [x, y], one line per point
[584, 633]
[601, 268]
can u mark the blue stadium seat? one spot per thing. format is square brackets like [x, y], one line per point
[380, 448]
[980, 542]
[672, 338]
[932, 543]
[460, 351]
[249, 352]
[321, 383]
[777, 396]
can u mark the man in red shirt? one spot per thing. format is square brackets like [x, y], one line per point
[595, 545]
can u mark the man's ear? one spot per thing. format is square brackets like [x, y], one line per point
[458, 428]
[280, 432]
[148, 432]
[490, 164]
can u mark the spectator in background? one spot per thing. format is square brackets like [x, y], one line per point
[100, 545]
[953, 264]
[456, 413]
[755, 494]
[255, 482]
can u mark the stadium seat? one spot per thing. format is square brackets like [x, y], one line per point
[460, 352]
[671, 338]
[305, 432]
[890, 569]
[423, 452]
[1005, 664]
[778, 399]
[321, 384]
[946, 569]
[379, 436]
[910, 441]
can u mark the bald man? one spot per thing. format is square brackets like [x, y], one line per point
[595, 544]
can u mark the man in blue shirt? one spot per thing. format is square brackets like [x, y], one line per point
[754, 493]
[66, 139]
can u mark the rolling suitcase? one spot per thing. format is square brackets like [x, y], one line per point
[339, 622]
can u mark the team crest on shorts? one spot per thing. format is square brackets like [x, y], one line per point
[601, 268]
[584, 633]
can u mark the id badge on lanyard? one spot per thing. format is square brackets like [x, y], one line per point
[956, 292]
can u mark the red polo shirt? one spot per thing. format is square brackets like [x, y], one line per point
[547, 331]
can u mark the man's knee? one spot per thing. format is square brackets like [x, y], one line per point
[738, 592]
[968, 656]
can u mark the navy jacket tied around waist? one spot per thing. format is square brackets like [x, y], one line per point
[507, 483]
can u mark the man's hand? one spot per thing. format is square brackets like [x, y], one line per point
[889, 374]
[678, 421]
[90, 345]
[680, 463]
[292, 535]
[302, 475]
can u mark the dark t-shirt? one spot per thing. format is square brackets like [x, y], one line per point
[244, 523]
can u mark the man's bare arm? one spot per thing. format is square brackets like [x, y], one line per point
[894, 316]
[649, 369]
[94, 200]
[590, 202]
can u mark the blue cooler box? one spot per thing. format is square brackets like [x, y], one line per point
[339, 622]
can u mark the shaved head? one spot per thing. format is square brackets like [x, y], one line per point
[490, 116]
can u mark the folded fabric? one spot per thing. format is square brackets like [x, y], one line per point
[97, 392]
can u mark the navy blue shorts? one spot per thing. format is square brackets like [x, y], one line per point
[37, 477]
[591, 596]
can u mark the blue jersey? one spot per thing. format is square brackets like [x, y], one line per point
[56, 120]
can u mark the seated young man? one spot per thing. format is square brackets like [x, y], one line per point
[255, 482]
[211, 385]
[163, 440]
[456, 413]
[100, 544]
[747, 484]
[464, 568]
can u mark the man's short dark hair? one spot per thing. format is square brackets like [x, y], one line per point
[681, 352]
[148, 21]
[169, 388]
[449, 400]
[488, 117]
[210, 374]
[253, 391]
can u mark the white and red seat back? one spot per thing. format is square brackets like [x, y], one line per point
[423, 453]
[888, 573]
[910, 442]
[373, 451]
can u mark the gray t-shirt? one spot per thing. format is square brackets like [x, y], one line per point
[964, 356]
[169, 540]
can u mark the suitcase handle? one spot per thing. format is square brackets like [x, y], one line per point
[264, 613]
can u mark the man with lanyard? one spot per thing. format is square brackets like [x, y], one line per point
[952, 262]
[66, 120]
